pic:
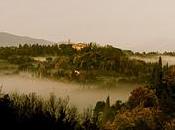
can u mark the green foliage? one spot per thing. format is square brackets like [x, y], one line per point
[163, 84]
[100, 105]
[91, 62]
[142, 96]
[136, 119]
[149, 108]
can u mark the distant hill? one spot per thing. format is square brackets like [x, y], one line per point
[7, 39]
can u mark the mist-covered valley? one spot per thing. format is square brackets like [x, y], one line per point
[86, 76]
[79, 95]
[85, 87]
[87, 65]
[170, 60]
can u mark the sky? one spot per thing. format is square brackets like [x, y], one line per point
[129, 24]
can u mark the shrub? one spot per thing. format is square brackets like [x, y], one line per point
[142, 96]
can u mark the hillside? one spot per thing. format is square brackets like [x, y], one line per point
[7, 39]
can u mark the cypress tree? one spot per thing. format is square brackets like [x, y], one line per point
[106, 112]
[159, 77]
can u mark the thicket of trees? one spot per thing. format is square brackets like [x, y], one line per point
[148, 108]
[30, 112]
[91, 62]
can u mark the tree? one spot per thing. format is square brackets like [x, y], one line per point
[142, 96]
[157, 76]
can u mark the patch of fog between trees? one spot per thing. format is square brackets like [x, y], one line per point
[152, 59]
[80, 97]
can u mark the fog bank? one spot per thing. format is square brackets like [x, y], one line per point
[79, 96]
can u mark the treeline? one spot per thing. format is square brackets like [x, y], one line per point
[29, 50]
[143, 54]
[37, 50]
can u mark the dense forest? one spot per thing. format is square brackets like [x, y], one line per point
[105, 65]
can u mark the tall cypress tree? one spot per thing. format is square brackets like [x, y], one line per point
[106, 113]
[160, 72]
[159, 76]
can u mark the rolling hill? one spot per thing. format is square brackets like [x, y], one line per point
[7, 39]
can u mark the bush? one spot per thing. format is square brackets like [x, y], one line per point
[142, 96]
[32, 112]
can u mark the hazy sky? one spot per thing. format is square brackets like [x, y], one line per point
[123, 23]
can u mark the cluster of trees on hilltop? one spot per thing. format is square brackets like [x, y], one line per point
[169, 53]
[29, 50]
[143, 54]
[92, 61]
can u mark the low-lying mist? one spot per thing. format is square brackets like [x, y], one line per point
[79, 96]
[152, 59]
